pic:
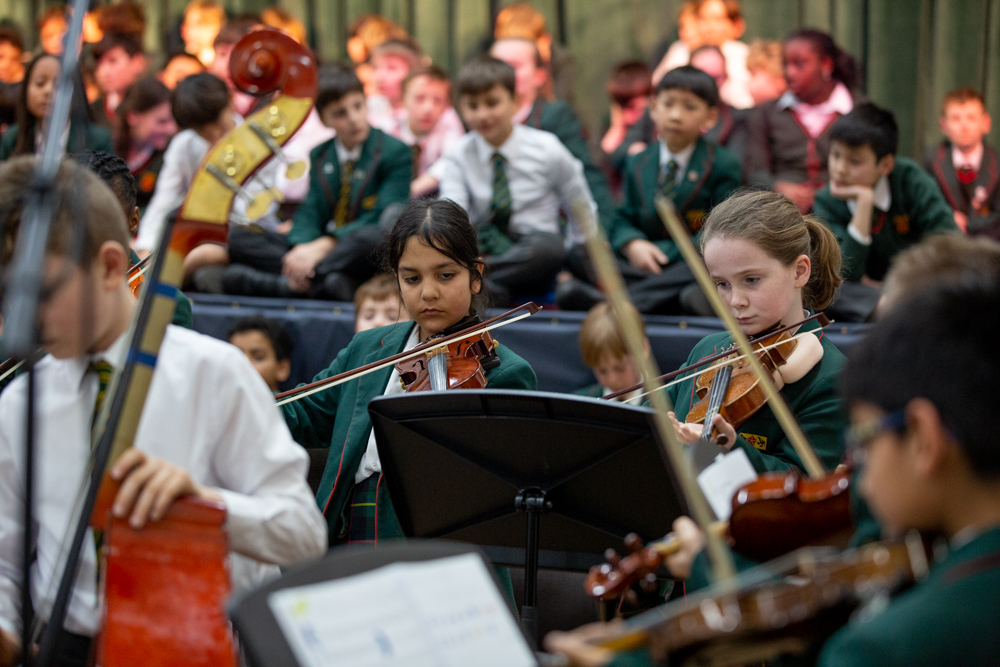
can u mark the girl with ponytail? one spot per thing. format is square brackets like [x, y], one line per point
[774, 266]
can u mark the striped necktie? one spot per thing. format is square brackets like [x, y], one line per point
[668, 181]
[104, 371]
[500, 205]
[344, 200]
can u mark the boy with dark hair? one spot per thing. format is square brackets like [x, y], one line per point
[267, 345]
[120, 63]
[209, 428]
[964, 166]
[926, 432]
[354, 179]
[513, 180]
[431, 125]
[695, 174]
[875, 203]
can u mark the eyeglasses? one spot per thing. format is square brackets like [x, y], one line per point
[858, 437]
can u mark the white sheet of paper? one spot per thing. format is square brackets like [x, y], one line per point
[721, 480]
[441, 613]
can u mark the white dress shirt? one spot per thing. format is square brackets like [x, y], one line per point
[881, 199]
[435, 143]
[971, 160]
[543, 177]
[180, 164]
[209, 412]
[682, 158]
[370, 463]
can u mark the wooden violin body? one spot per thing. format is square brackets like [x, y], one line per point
[464, 365]
[744, 395]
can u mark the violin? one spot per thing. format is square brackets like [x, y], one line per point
[457, 365]
[135, 274]
[734, 390]
[779, 608]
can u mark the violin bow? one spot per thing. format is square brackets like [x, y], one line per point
[779, 407]
[607, 270]
[824, 322]
[503, 320]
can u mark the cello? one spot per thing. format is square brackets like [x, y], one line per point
[165, 586]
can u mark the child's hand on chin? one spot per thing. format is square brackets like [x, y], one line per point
[858, 192]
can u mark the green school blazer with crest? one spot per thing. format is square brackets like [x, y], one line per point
[712, 174]
[813, 400]
[338, 418]
[951, 618]
[917, 210]
[95, 138]
[381, 177]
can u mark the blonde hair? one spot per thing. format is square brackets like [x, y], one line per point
[284, 21]
[208, 8]
[765, 54]
[600, 335]
[77, 189]
[380, 288]
[940, 258]
[773, 223]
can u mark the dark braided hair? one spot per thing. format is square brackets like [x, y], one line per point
[115, 173]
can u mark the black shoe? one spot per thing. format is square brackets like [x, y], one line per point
[208, 280]
[574, 294]
[333, 287]
[247, 281]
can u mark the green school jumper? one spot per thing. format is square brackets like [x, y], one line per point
[712, 174]
[917, 210]
[813, 400]
[95, 138]
[338, 418]
[381, 177]
[593, 391]
[951, 618]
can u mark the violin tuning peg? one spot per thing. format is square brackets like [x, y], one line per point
[295, 170]
[633, 542]
[612, 556]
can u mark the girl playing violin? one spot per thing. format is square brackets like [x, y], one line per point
[772, 267]
[432, 252]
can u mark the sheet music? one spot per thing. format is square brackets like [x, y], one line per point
[721, 480]
[441, 613]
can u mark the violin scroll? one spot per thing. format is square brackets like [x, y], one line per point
[267, 60]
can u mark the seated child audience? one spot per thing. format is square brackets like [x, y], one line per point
[730, 129]
[275, 17]
[35, 100]
[232, 31]
[717, 23]
[355, 179]
[203, 111]
[11, 73]
[512, 180]
[391, 63]
[203, 19]
[693, 173]
[964, 166]
[788, 139]
[126, 17]
[178, 68]
[629, 88]
[603, 349]
[876, 204]
[367, 32]
[431, 125]
[52, 28]
[377, 304]
[120, 63]
[767, 76]
[267, 345]
[522, 21]
[209, 428]
[144, 125]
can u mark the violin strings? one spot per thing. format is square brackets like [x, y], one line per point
[10, 371]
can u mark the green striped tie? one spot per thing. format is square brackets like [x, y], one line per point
[500, 205]
[104, 371]
[668, 182]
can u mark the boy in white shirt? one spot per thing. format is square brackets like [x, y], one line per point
[513, 180]
[431, 125]
[193, 438]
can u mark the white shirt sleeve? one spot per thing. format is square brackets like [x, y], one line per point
[272, 515]
[856, 235]
[180, 163]
[11, 531]
[452, 181]
[567, 175]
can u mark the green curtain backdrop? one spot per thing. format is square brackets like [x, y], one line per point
[912, 51]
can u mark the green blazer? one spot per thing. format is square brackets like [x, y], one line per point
[381, 177]
[593, 391]
[813, 400]
[338, 419]
[560, 119]
[917, 210]
[713, 174]
[95, 138]
[948, 619]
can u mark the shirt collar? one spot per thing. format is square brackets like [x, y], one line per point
[343, 155]
[114, 355]
[840, 101]
[882, 196]
[508, 149]
[682, 158]
[973, 160]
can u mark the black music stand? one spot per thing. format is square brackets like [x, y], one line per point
[464, 465]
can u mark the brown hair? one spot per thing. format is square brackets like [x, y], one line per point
[380, 288]
[210, 7]
[940, 258]
[773, 223]
[77, 189]
[961, 96]
[765, 54]
[733, 9]
[401, 47]
[143, 95]
[482, 73]
[601, 336]
[628, 80]
[432, 72]
[284, 21]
